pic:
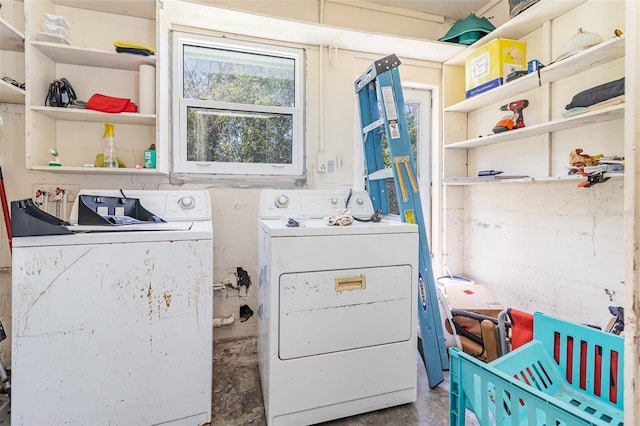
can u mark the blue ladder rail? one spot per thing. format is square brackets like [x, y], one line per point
[380, 89]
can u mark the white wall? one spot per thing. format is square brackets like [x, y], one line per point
[550, 247]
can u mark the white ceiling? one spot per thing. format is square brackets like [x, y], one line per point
[456, 9]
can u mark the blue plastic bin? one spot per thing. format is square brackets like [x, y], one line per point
[567, 375]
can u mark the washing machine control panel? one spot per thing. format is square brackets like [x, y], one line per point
[170, 205]
[275, 203]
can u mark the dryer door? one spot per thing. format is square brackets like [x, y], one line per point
[337, 310]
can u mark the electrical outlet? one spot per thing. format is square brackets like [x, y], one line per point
[323, 162]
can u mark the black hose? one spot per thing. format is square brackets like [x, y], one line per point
[376, 217]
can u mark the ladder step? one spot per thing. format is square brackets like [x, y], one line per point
[381, 174]
[372, 126]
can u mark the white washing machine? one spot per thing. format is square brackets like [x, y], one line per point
[337, 309]
[116, 327]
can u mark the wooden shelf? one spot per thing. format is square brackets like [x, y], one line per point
[589, 58]
[552, 179]
[597, 116]
[73, 114]
[11, 94]
[521, 25]
[103, 170]
[138, 8]
[10, 37]
[74, 55]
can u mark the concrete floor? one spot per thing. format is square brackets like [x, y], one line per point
[237, 397]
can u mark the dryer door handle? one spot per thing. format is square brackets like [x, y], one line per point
[351, 283]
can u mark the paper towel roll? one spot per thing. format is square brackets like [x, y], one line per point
[147, 95]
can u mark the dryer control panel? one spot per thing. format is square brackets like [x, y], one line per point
[311, 203]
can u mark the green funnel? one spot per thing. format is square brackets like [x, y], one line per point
[469, 30]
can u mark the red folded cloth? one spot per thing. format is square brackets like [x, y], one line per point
[106, 103]
[521, 328]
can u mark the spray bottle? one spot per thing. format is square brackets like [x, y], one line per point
[110, 151]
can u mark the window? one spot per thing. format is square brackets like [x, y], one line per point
[237, 107]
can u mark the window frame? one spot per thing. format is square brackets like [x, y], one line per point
[180, 105]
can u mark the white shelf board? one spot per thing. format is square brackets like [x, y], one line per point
[102, 170]
[10, 37]
[11, 94]
[552, 179]
[587, 59]
[600, 115]
[74, 55]
[137, 8]
[227, 20]
[74, 114]
[521, 25]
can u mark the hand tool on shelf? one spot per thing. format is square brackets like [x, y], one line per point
[514, 121]
[592, 179]
[489, 172]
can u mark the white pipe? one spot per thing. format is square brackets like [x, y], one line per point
[65, 194]
[219, 322]
[321, 87]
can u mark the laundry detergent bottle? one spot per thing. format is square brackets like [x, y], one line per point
[110, 151]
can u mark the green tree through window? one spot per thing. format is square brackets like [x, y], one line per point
[411, 111]
[240, 105]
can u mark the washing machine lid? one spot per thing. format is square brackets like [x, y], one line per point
[318, 227]
[181, 231]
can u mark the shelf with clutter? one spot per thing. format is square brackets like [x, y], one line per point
[77, 55]
[613, 112]
[597, 55]
[107, 79]
[500, 71]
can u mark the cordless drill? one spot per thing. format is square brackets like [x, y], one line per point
[516, 121]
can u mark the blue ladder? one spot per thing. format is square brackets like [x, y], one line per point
[381, 103]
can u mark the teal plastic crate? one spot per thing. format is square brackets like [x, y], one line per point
[567, 375]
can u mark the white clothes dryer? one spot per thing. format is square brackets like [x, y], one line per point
[337, 309]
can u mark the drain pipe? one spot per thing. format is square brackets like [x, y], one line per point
[219, 322]
[321, 87]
